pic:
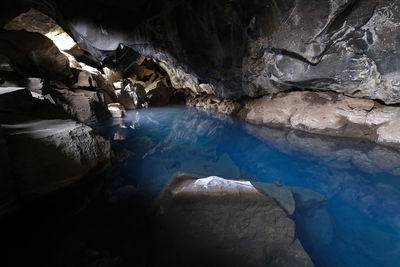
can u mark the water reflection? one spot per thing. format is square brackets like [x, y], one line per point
[358, 224]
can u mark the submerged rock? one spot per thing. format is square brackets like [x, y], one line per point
[216, 222]
[280, 193]
[307, 198]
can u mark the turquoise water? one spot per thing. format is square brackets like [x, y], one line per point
[357, 225]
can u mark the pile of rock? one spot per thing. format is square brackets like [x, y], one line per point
[144, 84]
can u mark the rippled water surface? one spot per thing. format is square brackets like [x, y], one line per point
[358, 225]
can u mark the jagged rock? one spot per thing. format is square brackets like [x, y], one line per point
[217, 222]
[47, 155]
[111, 76]
[35, 21]
[45, 62]
[213, 103]
[133, 96]
[33, 84]
[181, 79]
[85, 106]
[118, 85]
[315, 112]
[116, 109]
[344, 46]
[158, 93]
[16, 103]
[84, 79]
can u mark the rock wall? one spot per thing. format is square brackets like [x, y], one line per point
[248, 48]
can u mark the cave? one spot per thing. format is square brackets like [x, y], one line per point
[200, 133]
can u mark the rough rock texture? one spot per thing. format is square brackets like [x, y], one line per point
[34, 55]
[217, 222]
[83, 105]
[35, 21]
[213, 103]
[132, 96]
[41, 149]
[326, 113]
[46, 155]
[248, 48]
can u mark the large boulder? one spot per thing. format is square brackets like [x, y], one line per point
[46, 155]
[83, 105]
[216, 222]
[34, 55]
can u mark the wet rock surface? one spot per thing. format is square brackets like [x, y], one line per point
[203, 218]
[326, 113]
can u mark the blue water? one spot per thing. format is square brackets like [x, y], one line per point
[358, 225]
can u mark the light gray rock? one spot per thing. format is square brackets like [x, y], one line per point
[338, 115]
[389, 132]
[47, 155]
[117, 110]
[216, 222]
[213, 103]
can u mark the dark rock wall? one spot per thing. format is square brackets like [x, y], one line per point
[252, 47]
